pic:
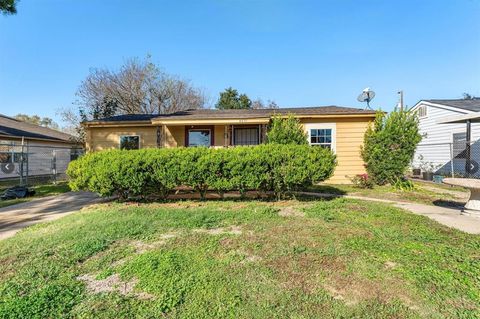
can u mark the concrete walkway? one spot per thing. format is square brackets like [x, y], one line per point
[15, 217]
[450, 217]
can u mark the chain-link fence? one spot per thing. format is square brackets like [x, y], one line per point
[459, 159]
[26, 164]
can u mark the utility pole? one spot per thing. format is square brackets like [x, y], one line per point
[401, 100]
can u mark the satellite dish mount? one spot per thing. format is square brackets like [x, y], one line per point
[366, 96]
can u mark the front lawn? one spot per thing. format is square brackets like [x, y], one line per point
[40, 191]
[423, 193]
[240, 259]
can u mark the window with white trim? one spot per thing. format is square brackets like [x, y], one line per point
[129, 142]
[321, 137]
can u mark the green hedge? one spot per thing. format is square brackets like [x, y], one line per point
[277, 168]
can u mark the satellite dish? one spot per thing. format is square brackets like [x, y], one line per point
[366, 96]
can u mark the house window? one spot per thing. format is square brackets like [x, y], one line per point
[459, 144]
[246, 136]
[321, 137]
[12, 157]
[129, 142]
[422, 111]
[75, 153]
[199, 137]
[5, 157]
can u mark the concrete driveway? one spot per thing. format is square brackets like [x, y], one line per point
[15, 217]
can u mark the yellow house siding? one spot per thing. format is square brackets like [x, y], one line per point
[105, 138]
[219, 135]
[174, 136]
[349, 138]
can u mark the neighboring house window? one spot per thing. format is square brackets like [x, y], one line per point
[129, 142]
[5, 157]
[422, 111]
[199, 137]
[321, 137]
[246, 136]
[459, 144]
[75, 153]
[11, 157]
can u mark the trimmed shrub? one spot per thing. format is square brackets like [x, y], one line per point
[286, 131]
[277, 168]
[389, 145]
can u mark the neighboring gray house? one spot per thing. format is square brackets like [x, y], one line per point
[45, 151]
[443, 146]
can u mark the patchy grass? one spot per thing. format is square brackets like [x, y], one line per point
[40, 191]
[241, 259]
[424, 193]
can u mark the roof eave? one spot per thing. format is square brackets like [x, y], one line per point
[440, 105]
[256, 120]
[116, 123]
[39, 139]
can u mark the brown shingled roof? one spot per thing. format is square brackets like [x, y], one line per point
[207, 114]
[255, 113]
[10, 127]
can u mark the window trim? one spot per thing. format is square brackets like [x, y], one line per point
[129, 135]
[323, 126]
[235, 127]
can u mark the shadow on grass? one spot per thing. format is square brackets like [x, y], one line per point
[236, 197]
[325, 189]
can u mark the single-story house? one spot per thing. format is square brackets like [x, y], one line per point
[44, 150]
[443, 146]
[339, 128]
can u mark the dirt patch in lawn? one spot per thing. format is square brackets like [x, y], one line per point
[112, 283]
[231, 230]
[353, 290]
[141, 246]
[290, 211]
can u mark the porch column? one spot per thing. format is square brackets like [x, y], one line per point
[159, 136]
[263, 133]
[228, 141]
[226, 137]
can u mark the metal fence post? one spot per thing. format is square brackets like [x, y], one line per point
[22, 182]
[451, 160]
[54, 166]
[26, 175]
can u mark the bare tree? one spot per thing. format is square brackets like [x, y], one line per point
[138, 87]
[258, 104]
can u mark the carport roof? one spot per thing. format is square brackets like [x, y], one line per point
[472, 117]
